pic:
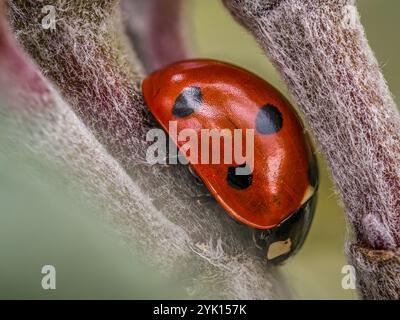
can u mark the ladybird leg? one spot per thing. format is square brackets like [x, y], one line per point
[287, 238]
[256, 241]
[194, 174]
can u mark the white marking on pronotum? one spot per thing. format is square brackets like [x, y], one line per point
[279, 248]
[307, 194]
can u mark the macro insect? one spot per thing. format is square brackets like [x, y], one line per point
[277, 195]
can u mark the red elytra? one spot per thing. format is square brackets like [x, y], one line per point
[208, 94]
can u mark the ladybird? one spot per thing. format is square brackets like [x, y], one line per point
[276, 196]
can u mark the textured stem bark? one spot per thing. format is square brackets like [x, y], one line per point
[321, 51]
[86, 57]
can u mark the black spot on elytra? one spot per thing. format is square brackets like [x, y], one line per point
[187, 102]
[269, 120]
[239, 181]
[313, 175]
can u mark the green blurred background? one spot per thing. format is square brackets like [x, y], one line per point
[40, 225]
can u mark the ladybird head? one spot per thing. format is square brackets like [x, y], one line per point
[286, 239]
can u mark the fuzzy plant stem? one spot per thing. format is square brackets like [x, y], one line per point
[87, 58]
[39, 120]
[156, 30]
[320, 49]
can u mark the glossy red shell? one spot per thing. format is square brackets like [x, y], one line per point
[232, 98]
